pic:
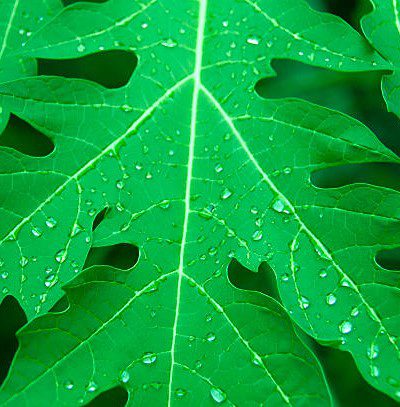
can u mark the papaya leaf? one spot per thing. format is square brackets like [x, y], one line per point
[195, 169]
[19, 19]
[382, 28]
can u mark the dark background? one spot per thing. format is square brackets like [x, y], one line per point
[358, 95]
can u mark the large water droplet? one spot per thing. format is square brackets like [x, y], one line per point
[345, 327]
[217, 395]
[149, 358]
[331, 299]
[124, 377]
[61, 255]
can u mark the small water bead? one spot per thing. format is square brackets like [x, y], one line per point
[91, 387]
[210, 337]
[331, 299]
[23, 261]
[253, 40]
[304, 302]
[257, 235]
[254, 210]
[218, 168]
[226, 193]
[374, 371]
[373, 352]
[61, 255]
[165, 204]
[285, 278]
[180, 392]
[323, 273]
[120, 184]
[124, 377]
[68, 385]
[169, 43]
[149, 358]
[354, 312]
[4, 275]
[345, 327]
[37, 232]
[51, 280]
[81, 48]
[51, 222]
[279, 206]
[126, 108]
[217, 395]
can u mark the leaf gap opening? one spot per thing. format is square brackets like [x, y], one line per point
[111, 69]
[99, 218]
[69, 2]
[262, 281]
[389, 259]
[23, 137]
[116, 397]
[380, 174]
[355, 94]
[122, 256]
[348, 386]
[61, 305]
[12, 318]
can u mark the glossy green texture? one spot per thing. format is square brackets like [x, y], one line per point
[382, 28]
[196, 169]
[19, 19]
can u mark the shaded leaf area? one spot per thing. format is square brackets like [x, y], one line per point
[195, 169]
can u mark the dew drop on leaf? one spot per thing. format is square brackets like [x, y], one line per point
[345, 327]
[149, 358]
[217, 395]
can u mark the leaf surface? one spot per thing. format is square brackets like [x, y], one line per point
[196, 169]
[382, 28]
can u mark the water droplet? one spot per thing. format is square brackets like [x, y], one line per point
[304, 302]
[373, 352]
[68, 385]
[331, 299]
[37, 232]
[354, 312]
[285, 278]
[218, 168]
[323, 273]
[374, 371]
[226, 193]
[61, 255]
[165, 204]
[253, 40]
[210, 337]
[23, 261]
[81, 48]
[91, 387]
[257, 235]
[217, 395]
[345, 327]
[180, 392]
[149, 358]
[124, 377]
[51, 280]
[120, 184]
[126, 108]
[51, 222]
[279, 206]
[169, 43]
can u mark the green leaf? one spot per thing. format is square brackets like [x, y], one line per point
[124, 336]
[19, 20]
[382, 28]
[195, 169]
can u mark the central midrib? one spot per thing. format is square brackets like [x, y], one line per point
[193, 129]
